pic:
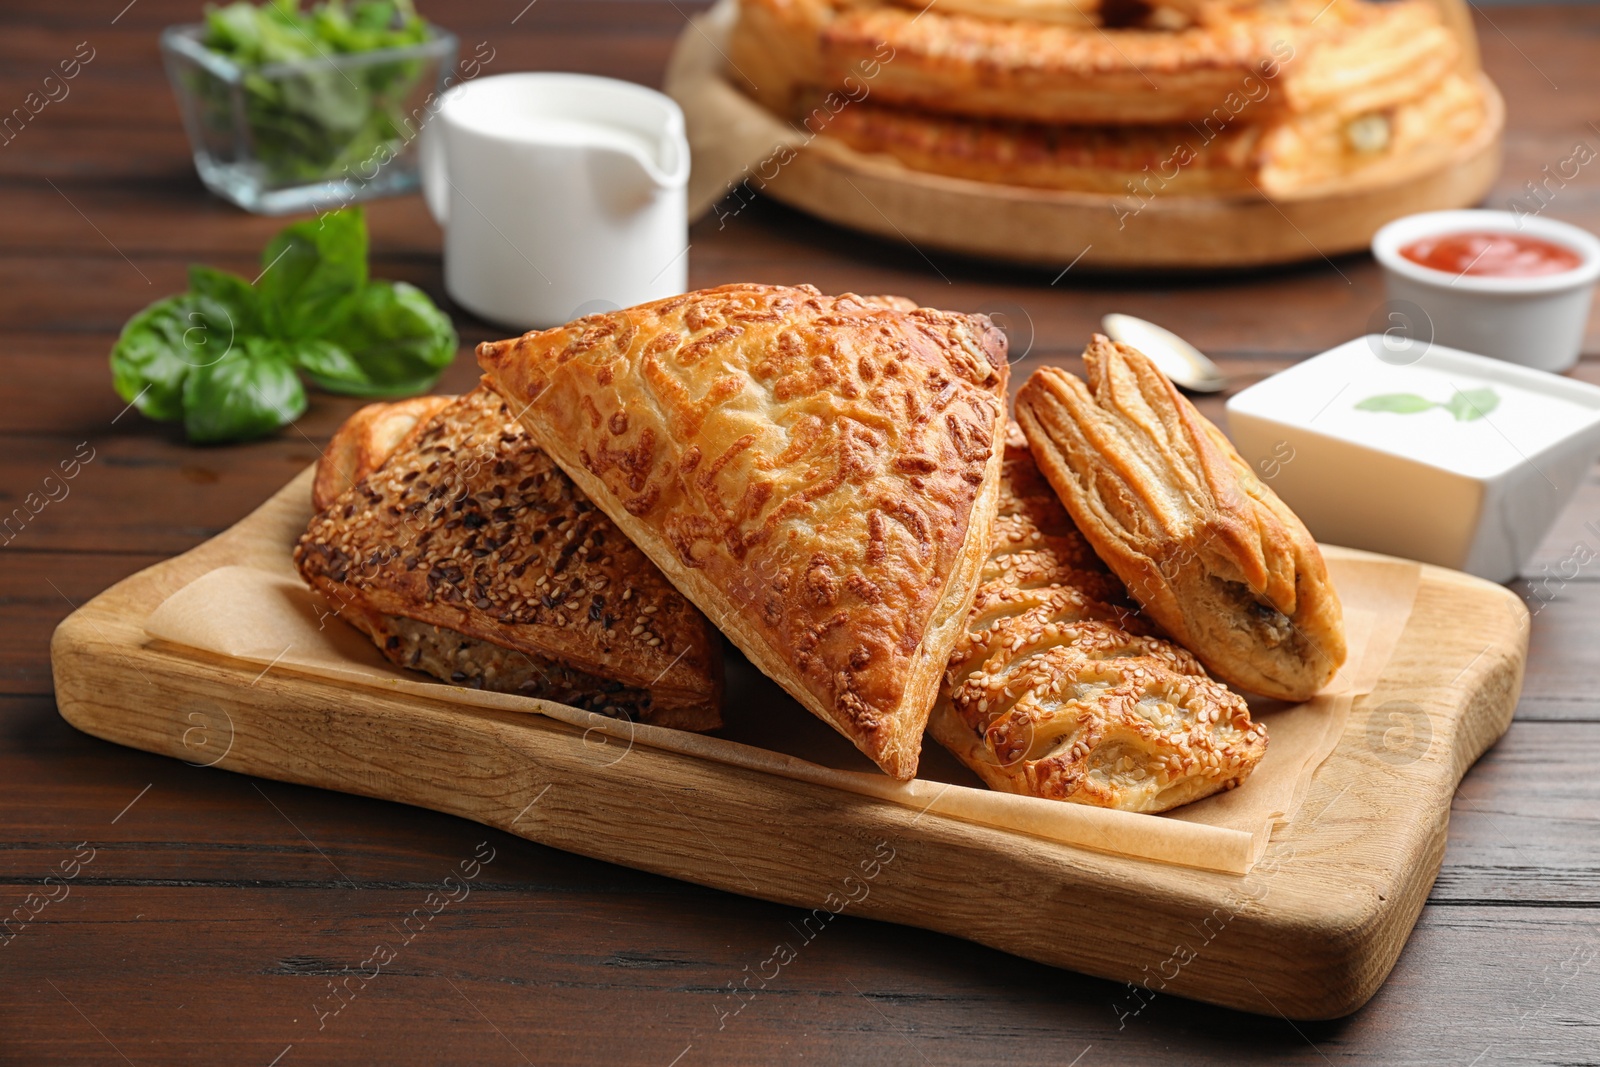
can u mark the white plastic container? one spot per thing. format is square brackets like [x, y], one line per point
[1535, 321]
[1373, 448]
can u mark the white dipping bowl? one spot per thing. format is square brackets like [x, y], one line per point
[1537, 322]
[1419, 476]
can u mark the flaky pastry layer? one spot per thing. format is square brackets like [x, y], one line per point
[469, 554]
[1282, 56]
[1059, 689]
[1281, 157]
[1205, 547]
[365, 440]
[817, 473]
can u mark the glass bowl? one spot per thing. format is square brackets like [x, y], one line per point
[311, 134]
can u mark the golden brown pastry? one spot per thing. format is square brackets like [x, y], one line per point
[366, 439]
[1266, 59]
[1361, 56]
[817, 473]
[469, 555]
[1325, 149]
[1166, 14]
[1059, 689]
[1061, 12]
[1210, 552]
[1281, 157]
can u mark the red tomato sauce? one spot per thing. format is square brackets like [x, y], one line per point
[1499, 254]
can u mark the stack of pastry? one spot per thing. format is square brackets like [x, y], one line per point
[1136, 98]
[835, 485]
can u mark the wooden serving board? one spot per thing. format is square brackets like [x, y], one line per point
[1055, 229]
[1310, 933]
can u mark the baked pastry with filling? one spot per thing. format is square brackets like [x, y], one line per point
[1209, 552]
[1282, 157]
[1060, 689]
[468, 554]
[817, 473]
[366, 439]
[1279, 56]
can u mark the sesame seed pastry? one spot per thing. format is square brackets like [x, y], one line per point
[1060, 689]
[817, 473]
[1206, 548]
[366, 439]
[468, 554]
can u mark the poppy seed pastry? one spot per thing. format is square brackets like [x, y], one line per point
[469, 555]
[1205, 547]
[817, 473]
[1060, 689]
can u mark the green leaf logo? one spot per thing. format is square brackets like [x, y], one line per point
[1472, 404]
[1398, 403]
[1466, 405]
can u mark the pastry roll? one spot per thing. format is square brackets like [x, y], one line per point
[1282, 157]
[1058, 12]
[1279, 56]
[1326, 150]
[818, 474]
[469, 555]
[1060, 689]
[1209, 551]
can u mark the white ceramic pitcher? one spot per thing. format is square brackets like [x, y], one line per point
[559, 194]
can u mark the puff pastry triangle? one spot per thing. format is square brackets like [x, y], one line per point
[463, 551]
[818, 474]
[366, 440]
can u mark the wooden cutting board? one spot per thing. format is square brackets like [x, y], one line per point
[1310, 933]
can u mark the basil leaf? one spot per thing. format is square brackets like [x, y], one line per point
[325, 362]
[401, 340]
[312, 273]
[230, 305]
[248, 393]
[1472, 404]
[225, 357]
[150, 361]
[1398, 403]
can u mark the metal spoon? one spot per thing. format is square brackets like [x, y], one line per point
[1179, 360]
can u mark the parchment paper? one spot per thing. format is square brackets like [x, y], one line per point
[260, 611]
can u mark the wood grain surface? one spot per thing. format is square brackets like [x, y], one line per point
[217, 908]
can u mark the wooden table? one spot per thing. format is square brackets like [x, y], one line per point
[212, 914]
